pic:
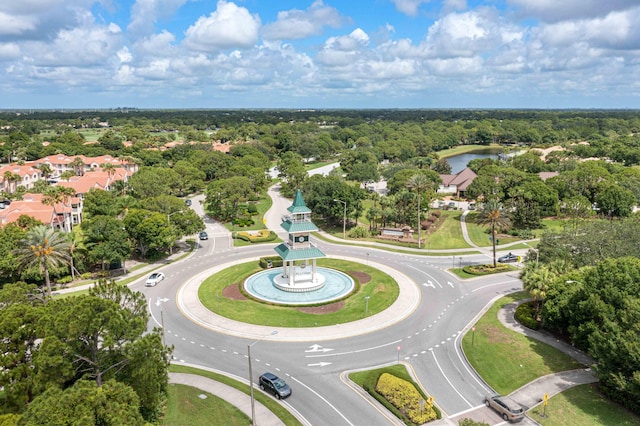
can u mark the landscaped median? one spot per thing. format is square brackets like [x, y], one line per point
[393, 387]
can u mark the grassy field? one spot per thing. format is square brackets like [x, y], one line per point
[507, 360]
[382, 290]
[185, 407]
[479, 235]
[287, 418]
[585, 406]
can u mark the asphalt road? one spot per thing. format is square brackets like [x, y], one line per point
[428, 340]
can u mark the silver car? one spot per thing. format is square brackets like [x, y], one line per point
[154, 279]
[506, 407]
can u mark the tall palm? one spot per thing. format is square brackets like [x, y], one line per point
[78, 165]
[493, 216]
[43, 248]
[58, 195]
[420, 183]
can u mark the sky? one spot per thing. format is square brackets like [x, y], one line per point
[319, 54]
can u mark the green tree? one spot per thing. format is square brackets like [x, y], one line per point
[86, 404]
[43, 248]
[106, 240]
[616, 201]
[292, 172]
[492, 215]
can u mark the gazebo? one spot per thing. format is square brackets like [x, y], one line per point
[298, 252]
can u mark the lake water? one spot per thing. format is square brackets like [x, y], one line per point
[459, 162]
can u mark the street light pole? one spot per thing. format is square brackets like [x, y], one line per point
[253, 403]
[344, 219]
[366, 305]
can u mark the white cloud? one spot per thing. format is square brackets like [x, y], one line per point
[297, 24]
[228, 27]
[408, 7]
[146, 13]
[15, 25]
[554, 10]
[9, 51]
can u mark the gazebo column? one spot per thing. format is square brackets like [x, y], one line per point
[292, 272]
[313, 271]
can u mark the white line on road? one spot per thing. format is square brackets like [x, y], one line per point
[447, 379]
[355, 352]
[323, 398]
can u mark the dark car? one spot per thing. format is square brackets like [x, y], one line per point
[505, 406]
[271, 383]
[509, 258]
[187, 202]
[203, 236]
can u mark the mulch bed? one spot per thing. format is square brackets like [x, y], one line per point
[233, 292]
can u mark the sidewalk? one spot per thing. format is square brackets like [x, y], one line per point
[242, 401]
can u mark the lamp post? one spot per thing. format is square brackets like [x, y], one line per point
[253, 404]
[366, 305]
[169, 225]
[344, 219]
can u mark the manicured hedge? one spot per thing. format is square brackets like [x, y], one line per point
[525, 315]
[262, 236]
[485, 269]
[406, 398]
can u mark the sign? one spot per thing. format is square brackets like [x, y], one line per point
[546, 399]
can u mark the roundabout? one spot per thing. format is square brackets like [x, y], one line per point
[192, 307]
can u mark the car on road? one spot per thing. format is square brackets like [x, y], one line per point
[203, 236]
[508, 409]
[187, 202]
[154, 279]
[509, 258]
[271, 383]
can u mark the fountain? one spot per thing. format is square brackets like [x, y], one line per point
[299, 280]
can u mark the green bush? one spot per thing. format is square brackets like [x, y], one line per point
[525, 315]
[262, 236]
[405, 397]
[252, 209]
[359, 232]
[85, 276]
[485, 269]
[64, 280]
[276, 261]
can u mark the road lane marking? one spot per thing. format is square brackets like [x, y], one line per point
[447, 379]
[323, 399]
[356, 351]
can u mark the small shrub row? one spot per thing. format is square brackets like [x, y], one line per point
[242, 222]
[525, 315]
[485, 269]
[262, 236]
[406, 398]
[276, 262]
[64, 280]
[359, 232]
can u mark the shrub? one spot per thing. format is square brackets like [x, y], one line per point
[276, 261]
[85, 276]
[256, 236]
[252, 209]
[525, 315]
[436, 213]
[485, 269]
[404, 396]
[64, 280]
[359, 232]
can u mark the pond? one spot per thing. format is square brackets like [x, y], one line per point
[460, 161]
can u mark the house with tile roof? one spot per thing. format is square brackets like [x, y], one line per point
[456, 184]
[26, 175]
[62, 216]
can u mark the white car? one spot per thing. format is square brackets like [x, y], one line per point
[154, 279]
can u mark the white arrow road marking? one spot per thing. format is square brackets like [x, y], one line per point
[319, 364]
[429, 284]
[318, 348]
[450, 284]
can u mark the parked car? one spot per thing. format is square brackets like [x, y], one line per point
[452, 204]
[472, 206]
[271, 383]
[509, 258]
[506, 407]
[154, 279]
[203, 236]
[187, 202]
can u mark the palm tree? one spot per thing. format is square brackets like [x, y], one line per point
[536, 281]
[43, 248]
[78, 165]
[58, 194]
[11, 178]
[420, 183]
[491, 215]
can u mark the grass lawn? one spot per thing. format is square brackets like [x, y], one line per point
[507, 360]
[449, 233]
[287, 418]
[185, 407]
[585, 406]
[382, 289]
[479, 236]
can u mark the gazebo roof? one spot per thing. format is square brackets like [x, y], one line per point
[298, 205]
[286, 253]
[295, 227]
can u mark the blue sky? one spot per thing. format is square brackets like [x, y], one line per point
[320, 54]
